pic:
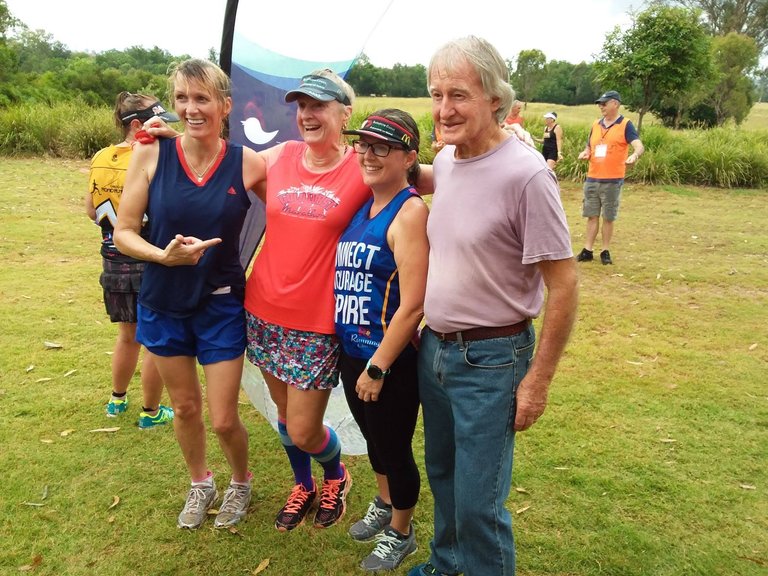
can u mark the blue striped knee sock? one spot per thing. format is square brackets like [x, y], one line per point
[301, 463]
[329, 456]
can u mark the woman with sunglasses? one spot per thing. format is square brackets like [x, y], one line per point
[381, 273]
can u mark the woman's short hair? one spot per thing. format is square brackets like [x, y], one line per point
[206, 73]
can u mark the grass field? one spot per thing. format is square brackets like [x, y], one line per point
[650, 460]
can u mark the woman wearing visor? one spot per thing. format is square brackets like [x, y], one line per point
[313, 188]
[381, 274]
[121, 275]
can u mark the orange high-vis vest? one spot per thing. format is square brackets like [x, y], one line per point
[612, 165]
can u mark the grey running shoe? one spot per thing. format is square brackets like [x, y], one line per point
[378, 516]
[199, 500]
[234, 506]
[391, 549]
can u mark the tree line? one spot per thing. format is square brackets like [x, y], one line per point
[689, 62]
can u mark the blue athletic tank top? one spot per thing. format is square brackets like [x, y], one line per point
[213, 208]
[366, 284]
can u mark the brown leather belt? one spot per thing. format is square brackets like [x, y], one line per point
[482, 333]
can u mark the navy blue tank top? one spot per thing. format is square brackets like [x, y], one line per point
[366, 283]
[213, 208]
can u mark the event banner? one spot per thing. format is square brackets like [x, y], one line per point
[266, 48]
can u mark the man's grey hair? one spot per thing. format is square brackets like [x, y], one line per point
[488, 63]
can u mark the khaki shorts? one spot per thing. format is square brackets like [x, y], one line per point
[602, 197]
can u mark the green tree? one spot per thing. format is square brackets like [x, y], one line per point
[566, 83]
[747, 17]
[408, 81]
[8, 58]
[761, 85]
[364, 77]
[529, 71]
[7, 21]
[736, 58]
[401, 81]
[154, 60]
[584, 80]
[39, 52]
[556, 84]
[662, 54]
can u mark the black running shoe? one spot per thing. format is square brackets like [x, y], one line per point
[585, 256]
[296, 508]
[333, 500]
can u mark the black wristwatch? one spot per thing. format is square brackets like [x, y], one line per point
[374, 372]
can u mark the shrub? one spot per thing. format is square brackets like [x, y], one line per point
[726, 157]
[69, 130]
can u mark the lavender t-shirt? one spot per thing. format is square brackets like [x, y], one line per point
[493, 217]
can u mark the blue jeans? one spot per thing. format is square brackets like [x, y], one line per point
[467, 393]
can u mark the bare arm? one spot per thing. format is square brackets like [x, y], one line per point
[587, 152]
[255, 172]
[90, 210]
[559, 316]
[181, 250]
[407, 237]
[426, 182]
[559, 139]
[637, 150]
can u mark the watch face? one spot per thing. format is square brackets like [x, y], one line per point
[375, 372]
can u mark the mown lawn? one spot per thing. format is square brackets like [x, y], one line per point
[650, 460]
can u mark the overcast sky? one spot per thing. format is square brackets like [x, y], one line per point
[408, 32]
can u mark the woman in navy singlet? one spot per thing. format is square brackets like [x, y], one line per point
[194, 190]
[381, 272]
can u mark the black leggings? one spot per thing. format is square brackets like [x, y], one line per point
[388, 424]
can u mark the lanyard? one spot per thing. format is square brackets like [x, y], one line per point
[604, 133]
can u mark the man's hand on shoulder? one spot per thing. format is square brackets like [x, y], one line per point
[521, 133]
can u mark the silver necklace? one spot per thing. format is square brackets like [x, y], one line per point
[201, 175]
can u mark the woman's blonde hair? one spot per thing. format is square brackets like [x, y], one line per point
[206, 73]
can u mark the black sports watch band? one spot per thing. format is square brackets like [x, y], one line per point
[374, 372]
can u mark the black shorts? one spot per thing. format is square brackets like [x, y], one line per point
[121, 282]
[549, 154]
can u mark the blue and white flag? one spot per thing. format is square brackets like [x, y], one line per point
[266, 48]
